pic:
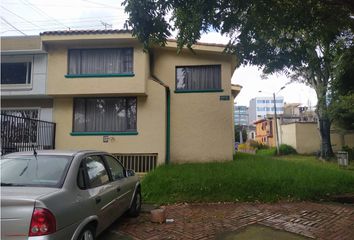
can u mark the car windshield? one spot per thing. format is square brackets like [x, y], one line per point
[42, 171]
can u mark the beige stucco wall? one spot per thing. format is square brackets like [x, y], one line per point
[16, 43]
[201, 124]
[151, 127]
[307, 138]
[59, 85]
[287, 134]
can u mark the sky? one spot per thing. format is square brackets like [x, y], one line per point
[30, 17]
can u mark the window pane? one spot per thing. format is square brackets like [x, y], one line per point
[105, 114]
[115, 167]
[101, 61]
[16, 73]
[198, 78]
[31, 171]
[96, 171]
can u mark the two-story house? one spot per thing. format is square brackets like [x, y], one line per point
[147, 107]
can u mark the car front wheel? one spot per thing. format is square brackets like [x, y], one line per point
[135, 208]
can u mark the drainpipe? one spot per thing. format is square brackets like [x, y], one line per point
[168, 109]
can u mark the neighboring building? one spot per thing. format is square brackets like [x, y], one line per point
[23, 78]
[241, 115]
[109, 94]
[265, 132]
[294, 112]
[261, 106]
[26, 110]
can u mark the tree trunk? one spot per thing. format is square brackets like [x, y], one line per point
[326, 147]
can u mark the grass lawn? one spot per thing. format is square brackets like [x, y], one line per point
[248, 178]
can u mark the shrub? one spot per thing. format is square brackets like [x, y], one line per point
[285, 149]
[257, 145]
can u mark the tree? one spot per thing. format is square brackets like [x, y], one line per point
[301, 38]
[342, 92]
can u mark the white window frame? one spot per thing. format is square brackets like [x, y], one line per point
[19, 59]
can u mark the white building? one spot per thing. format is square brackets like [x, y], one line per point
[261, 106]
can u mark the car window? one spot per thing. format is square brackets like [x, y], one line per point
[96, 171]
[115, 167]
[43, 170]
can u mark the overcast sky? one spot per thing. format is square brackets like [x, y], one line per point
[30, 17]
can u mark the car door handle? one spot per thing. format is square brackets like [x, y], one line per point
[98, 200]
[118, 189]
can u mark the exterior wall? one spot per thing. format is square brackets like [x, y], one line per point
[59, 85]
[151, 127]
[307, 138]
[202, 127]
[38, 77]
[16, 43]
[288, 134]
[45, 106]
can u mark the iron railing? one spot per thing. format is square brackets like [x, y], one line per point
[22, 134]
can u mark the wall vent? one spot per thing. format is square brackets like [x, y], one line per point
[139, 162]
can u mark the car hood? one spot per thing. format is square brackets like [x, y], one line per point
[17, 204]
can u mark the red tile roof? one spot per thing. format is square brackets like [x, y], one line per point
[79, 32]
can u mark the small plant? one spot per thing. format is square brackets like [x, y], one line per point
[285, 149]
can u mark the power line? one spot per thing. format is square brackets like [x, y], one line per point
[101, 4]
[18, 30]
[41, 12]
[19, 16]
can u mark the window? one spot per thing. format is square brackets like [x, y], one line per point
[25, 113]
[198, 78]
[116, 168]
[16, 73]
[100, 61]
[40, 171]
[105, 114]
[96, 171]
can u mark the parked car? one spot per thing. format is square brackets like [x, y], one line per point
[64, 195]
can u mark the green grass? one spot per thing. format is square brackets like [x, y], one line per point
[248, 178]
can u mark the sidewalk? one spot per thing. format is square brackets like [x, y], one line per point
[210, 221]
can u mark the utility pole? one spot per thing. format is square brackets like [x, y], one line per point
[276, 124]
[239, 123]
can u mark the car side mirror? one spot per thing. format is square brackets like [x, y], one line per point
[130, 173]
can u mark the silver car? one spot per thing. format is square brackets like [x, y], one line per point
[75, 195]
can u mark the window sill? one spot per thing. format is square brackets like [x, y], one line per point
[14, 87]
[102, 133]
[99, 75]
[199, 91]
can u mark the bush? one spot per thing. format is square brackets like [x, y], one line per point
[257, 145]
[350, 152]
[285, 149]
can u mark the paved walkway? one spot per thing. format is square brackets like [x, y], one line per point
[210, 221]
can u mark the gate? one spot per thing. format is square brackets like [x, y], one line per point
[22, 134]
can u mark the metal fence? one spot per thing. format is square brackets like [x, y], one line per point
[22, 134]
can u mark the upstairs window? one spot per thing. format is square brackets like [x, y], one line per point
[198, 78]
[100, 61]
[16, 73]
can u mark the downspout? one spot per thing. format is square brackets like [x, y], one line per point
[168, 108]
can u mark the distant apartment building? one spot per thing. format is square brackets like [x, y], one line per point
[261, 106]
[294, 112]
[241, 115]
